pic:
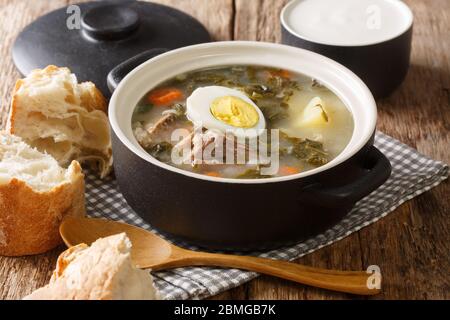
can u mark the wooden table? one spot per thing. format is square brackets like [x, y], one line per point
[411, 245]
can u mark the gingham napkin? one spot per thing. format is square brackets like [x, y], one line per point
[412, 174]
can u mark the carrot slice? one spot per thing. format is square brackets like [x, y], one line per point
[268, 74]
[164, 96]
[280, 73]
[283, 73]
[213, 174]
[287, 170]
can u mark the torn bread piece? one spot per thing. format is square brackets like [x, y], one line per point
[51, 111]
[103, 271]
[35, 195]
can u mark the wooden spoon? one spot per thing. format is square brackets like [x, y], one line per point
[150, 251]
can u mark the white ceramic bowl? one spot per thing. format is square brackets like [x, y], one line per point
[347, 86]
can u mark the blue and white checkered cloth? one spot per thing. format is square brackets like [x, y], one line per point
[412, 174]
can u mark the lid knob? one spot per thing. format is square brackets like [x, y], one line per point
[110, 22]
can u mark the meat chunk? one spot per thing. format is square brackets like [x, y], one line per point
[203, 148]
[162, 123]
[147, 136]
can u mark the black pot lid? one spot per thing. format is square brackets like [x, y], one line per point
[109, 34]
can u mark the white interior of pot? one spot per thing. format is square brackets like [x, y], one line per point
[347, 86]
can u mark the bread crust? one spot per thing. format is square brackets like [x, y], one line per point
[60, 289]
[10, 125]
[95, 101]
[29, 219]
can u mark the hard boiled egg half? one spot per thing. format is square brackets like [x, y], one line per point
[225, 109]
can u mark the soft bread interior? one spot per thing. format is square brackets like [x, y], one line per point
[102, 271]
[54, 113]
[38, 170]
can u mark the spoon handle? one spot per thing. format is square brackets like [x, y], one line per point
[354, 282]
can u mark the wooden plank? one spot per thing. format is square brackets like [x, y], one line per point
[20, 276]
[216, 15]
[418, 114]
[14, 16]
[218, 18]
[410, 245]
[258, 20]
[411, 248]
[344, 255]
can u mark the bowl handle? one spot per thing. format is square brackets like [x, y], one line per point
[120, 71]
[349, 194]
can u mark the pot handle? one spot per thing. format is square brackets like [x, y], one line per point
[119, 72]
[375, 176]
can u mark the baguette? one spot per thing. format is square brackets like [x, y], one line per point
[103, 271]
[51, 111]
[35, 195]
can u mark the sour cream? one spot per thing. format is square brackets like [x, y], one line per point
[347, 22]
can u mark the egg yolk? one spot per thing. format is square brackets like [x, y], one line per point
[234, 111]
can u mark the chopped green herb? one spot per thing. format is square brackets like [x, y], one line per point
[160, 150]
[144, 108]
[276, 82]
[252, 174]
[305, 149]
[262, 90]
[274, 113]
[251, 73]
[317, 84]
[238, 70]
[179, 109]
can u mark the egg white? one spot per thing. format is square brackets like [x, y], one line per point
[198, 110]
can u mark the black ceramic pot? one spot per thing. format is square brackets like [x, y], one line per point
[381, 64]
[227, 214]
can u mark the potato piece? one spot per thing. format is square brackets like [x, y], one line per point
[315, 114]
